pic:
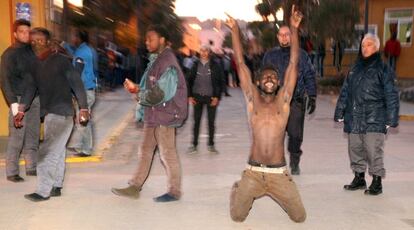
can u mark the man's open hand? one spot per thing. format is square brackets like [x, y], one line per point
[214, 101]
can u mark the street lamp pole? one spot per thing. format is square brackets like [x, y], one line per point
[366, 17]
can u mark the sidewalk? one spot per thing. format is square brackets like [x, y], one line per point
[109, 112]
[87, 202]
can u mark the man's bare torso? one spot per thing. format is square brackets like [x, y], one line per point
[267, 120]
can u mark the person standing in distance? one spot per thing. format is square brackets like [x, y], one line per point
[14, 69]
[306, 84]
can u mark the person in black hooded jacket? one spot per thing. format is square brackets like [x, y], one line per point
[368, 104]
[205, 83]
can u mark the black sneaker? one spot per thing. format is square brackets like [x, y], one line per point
[81, 155]
[15, 178]
[31, 173]
[35, 197]
[56, 191]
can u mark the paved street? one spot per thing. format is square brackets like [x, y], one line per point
[87, 202]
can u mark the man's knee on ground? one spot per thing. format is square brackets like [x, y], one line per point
[298, 218]
[237, 215]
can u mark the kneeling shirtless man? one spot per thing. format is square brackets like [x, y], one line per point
[268, 111]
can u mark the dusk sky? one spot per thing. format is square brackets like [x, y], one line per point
[207, 9]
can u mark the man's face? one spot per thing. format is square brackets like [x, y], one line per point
[39, 42]
[22, 34]
[153, 41]
[75, 40]
[284, 36]
[269, 82]
[204, 53]
[368, 48]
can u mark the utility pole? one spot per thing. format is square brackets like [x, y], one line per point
[65, 21]
[366, 17]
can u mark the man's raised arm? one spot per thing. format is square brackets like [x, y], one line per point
[243, 71]
[291, 73]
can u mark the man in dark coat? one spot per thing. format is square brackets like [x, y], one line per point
[369, 105]
[305, 88]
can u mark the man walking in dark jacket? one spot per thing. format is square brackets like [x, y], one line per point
[369, 105]
[163, 96]
[205, 82]
[54, 78]
[14, 68]
[306, 83]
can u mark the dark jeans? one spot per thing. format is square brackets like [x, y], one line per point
[295, 129]
[211, 115]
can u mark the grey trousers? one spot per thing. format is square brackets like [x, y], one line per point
[51, 161]
[164, 138]
[367, 149]
[24, 140]
[82, 138]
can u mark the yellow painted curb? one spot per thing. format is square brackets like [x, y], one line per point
[68, 160]
[407, 117]
[97, 155]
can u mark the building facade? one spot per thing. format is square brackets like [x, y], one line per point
[383, 15]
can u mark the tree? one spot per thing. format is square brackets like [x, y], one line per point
[335, 19]
[115, 15]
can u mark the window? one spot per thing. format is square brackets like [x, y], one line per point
[359, 34]
[400, 21]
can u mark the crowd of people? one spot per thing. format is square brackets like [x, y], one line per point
[41, 81]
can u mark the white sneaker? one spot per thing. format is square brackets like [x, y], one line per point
[192, 150]
[212, 149]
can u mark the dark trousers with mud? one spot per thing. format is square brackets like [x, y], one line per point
[294, 130]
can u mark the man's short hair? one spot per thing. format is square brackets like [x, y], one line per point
[82, 35]
[267, 67]
[160, 30]
[205, 47]
[20, 22]
[373, 38]
[41, 30]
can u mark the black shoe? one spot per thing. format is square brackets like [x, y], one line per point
[165, 198]
[295, 170]
[35, 197]
[31, 173]
[376, 187]
[56, 191]
[15, 178]
[294, 164]
[227, 95]
[357, 183]
[81, 155]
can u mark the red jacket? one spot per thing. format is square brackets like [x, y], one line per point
[392, 48]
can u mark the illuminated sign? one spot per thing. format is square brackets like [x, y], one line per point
[23, 11]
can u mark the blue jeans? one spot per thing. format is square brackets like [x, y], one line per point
[51, 161]
[24, 140]
[82, 138]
